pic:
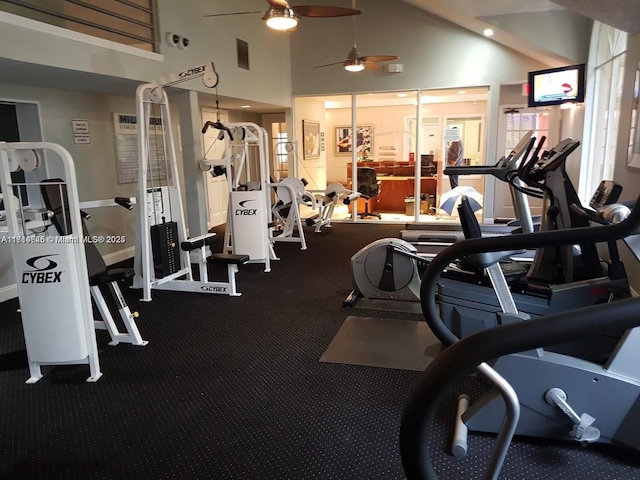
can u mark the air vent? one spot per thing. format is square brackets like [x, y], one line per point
[243, 53]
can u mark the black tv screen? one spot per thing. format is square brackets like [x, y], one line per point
[554, 86]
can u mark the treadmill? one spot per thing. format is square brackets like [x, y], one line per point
[431, 238]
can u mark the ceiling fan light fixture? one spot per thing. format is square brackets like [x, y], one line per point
[354, 66]
[281, 18]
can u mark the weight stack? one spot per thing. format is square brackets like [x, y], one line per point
[164, 245]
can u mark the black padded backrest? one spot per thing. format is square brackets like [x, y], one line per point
[468, 220]
[367, 181]
[54, 194]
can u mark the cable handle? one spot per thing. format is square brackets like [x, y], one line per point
[218, 126]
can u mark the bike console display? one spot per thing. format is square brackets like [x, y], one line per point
[607, 192]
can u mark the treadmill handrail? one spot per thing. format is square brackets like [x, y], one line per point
[431, 276]
[472, 170]
[461, 358]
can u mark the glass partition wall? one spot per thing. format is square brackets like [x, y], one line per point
[397, 166]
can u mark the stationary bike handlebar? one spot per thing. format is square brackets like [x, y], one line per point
[461, 358]
[431, 276]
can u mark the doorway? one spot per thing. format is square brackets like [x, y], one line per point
[217, 187]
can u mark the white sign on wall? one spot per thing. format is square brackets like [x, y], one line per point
[81, 133]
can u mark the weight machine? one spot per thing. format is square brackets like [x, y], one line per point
[245, 162]
[164, 252]
[333, 194]
[291, 195]
[56, 275]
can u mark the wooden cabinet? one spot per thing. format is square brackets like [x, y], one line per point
[394, 189]
[397, 181]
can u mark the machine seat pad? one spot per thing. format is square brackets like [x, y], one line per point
[228, 258]
[111, 275]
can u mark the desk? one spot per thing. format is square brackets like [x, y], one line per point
[394, 189]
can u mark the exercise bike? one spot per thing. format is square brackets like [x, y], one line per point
[561, 396]
[386, 269]
[467, 300]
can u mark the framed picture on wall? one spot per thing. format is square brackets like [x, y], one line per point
[310, 139]
[344, 140]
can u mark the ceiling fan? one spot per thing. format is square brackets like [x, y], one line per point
[281, 16]
[356, 62]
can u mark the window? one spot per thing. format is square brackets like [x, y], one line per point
[607, 71]
[520, 121]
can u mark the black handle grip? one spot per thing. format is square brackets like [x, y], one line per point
[218, 126]
[124, 202]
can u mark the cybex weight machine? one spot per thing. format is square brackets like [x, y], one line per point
[164, 252]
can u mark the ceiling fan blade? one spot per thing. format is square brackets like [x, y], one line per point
[278, 3]
[330, 64]
[378, 58]
[370, 64]
[324, 11]
[225, 14]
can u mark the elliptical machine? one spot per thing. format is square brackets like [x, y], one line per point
[431, 238]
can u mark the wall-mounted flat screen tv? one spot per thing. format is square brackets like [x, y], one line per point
[556, 85]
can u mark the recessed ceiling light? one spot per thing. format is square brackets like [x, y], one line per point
[245, 106]
[488, 32]
[401, 95]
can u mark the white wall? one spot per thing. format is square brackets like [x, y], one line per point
[434, 52]
[560, 31]
[212, 40]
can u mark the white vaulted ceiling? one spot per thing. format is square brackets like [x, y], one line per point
[510, 19]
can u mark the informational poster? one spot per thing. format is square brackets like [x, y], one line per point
[126, 135]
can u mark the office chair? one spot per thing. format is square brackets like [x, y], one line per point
[368, 187]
